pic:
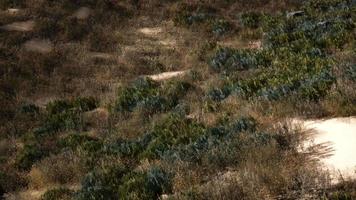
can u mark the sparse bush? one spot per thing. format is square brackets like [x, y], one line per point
[63, 168]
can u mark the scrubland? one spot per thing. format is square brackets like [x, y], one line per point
[84, 116]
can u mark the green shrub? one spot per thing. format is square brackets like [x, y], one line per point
[145, 185]
[251, 19]
[102, 184]
[4, 4]
[28, 156]
[351, 72]
[58, 194]
[30, 109]
[221, 27]
[187, 15]
[74, 140]
[172, 131]
[130, 96]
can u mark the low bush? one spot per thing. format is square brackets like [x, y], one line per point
[102, 184]
[251, 20]
[58, 194]
[130, 96]
[29, 155]
[145, 185]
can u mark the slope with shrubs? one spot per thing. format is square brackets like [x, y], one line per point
[217, 132]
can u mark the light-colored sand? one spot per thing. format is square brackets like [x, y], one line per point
[82, 13]
[150, 31]
[339, 134]
[24, 26]
[99, 55]
[13, 11]
[167, 75]
[40, 46]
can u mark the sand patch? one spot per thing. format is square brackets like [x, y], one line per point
[13, 11]
[82, 13]
[40, 46]
[24, 26]
[338, 136]
[167, 75]
[150, 31]
[99, 55]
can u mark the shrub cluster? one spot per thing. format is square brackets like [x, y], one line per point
[117, 182]
[150, 96]
[294, 59]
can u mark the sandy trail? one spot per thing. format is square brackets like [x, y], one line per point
[24, 26]
[338, 134]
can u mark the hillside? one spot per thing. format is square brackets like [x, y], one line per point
[175, 99]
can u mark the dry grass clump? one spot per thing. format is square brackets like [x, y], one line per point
[65, 168]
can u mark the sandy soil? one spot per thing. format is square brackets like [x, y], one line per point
[24, 26]
[167, 75]
[41, 46]
[82, 13]
[339, 134]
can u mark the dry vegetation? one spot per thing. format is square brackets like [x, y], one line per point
[82, 119]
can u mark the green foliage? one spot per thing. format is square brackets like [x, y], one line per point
[151, 96]
[129, 97]
[28, 156]
[102, 184]
[74, 140]
[30, 109]
[251, 19]
[65, 114]
[227, 60]
[58, 194]
[187, 15]
[220, 27]
[351, 72]
[145, 185]
[5, 4]
[172, 131]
